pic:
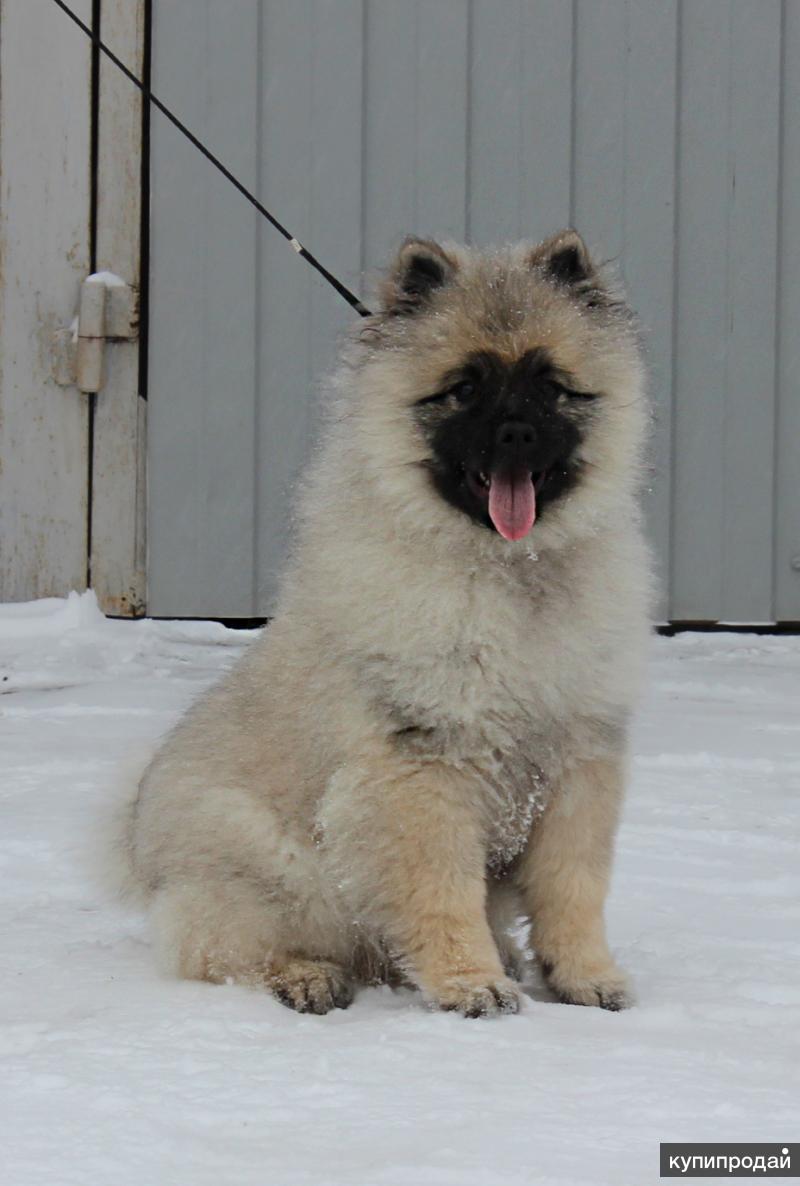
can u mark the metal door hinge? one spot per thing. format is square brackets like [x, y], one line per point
[108, 311]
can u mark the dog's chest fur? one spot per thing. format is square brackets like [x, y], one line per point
[504, 678]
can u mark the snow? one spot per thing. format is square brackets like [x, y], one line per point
[107, 279]
[111, 1074]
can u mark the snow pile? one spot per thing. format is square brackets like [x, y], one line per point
[111, 1074]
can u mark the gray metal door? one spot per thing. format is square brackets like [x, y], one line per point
[666, 131]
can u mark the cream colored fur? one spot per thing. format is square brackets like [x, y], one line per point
[290, 833]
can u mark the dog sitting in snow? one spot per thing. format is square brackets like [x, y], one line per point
[429, 740]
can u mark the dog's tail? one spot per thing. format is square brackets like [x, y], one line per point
[111, 859]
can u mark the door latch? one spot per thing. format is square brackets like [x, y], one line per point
[108, 311]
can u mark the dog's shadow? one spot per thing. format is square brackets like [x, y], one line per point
[535, 988]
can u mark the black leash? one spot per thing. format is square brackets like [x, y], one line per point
[302, 251]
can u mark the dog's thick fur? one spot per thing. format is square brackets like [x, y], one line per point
[429, 740]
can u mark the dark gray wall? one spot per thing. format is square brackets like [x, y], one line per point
[668, 132]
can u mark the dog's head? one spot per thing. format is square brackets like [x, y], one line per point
[504, 387]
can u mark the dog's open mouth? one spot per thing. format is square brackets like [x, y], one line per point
[511, 498]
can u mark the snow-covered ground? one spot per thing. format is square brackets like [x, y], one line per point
[111, 1075]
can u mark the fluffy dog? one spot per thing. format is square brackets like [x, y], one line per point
[429, 740]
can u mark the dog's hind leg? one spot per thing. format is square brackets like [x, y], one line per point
[226, 932]
[309, 986]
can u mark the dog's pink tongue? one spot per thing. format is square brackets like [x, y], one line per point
[512, 504]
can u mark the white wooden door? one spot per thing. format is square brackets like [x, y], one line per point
[71, 481]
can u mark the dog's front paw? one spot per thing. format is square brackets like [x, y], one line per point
[478, 996]
[606, 988]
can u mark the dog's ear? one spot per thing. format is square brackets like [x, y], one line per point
[565, 259]
[419, 269]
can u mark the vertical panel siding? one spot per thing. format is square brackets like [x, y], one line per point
[654, 126]
[310, 140]
[787, 468]
[390, 125]
[601, 46]
[285, 315]
[520, 116]
[748, 462]
[202, 506]
[723, 456]
[702, 330]
[649, 230]
[415, 123]
[442, 88]
[496, 122]
[45, 122]
[546, 99]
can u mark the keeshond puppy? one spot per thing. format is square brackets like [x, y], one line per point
[428, 742]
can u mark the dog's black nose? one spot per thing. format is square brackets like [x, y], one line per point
[514, 434]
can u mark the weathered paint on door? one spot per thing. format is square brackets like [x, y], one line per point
[45, 121]
[666, 130]
[119, 447]
[71, 471]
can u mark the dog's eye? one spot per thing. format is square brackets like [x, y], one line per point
[463, 391]
[438, 398]
[570, 393]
